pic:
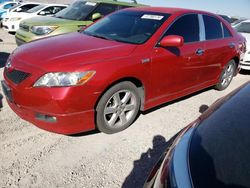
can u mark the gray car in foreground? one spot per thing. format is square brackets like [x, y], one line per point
[211, 152]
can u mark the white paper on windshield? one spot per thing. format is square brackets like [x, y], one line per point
[152, 17]
[90, 3]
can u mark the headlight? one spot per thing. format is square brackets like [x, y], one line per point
[43, 30]
[15, 19]
[64, 79]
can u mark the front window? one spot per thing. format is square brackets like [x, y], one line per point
[35, 9]
[179, 27]
[128, 26]
[77, 11]
[243, 27]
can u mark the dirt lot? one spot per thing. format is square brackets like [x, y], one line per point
[31, 157]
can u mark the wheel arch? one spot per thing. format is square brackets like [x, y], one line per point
[237, 61]
[137, 82]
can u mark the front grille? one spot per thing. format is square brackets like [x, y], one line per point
[24, 27]
[16, 76]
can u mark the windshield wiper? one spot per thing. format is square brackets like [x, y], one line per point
[99, 36]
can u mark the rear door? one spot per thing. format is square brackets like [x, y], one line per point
[176, 71]
[219, 47]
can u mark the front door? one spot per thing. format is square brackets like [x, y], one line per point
[176, 70]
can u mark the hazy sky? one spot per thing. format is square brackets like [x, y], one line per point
[239, 8]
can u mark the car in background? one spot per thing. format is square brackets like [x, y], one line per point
[3, 1]
[4, 7]
[103, 76]
[12, 21]
[244, 29]
[72, 19]
[21, 7]
[227, 18]
[212, 151]
[235, 23]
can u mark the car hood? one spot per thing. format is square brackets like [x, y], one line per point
[51, 21]
[70, 50]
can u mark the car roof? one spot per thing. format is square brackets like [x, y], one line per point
[8, 2]
[51, 5]
[170, 10]
[132, 3]
[248, 21]
[27, 3]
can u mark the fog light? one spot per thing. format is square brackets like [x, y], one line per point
[46, 118]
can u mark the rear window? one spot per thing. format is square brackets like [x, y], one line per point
[212, 27]
[226, 31]
[35, 9]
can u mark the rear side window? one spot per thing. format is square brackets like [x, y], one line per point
[186, 26]
[213, 27]
[226, 31]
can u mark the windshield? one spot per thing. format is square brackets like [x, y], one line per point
[243, 27]
[128, 26]
[35, 9]
[77, 11]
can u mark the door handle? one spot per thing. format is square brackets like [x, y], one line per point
[199, 52]
[231, 45]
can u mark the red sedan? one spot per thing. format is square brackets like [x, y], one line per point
[130, 61]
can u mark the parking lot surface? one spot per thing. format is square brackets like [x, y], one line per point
[33, 157]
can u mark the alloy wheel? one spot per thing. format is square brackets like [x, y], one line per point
[120, 108]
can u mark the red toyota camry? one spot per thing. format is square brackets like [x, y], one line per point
[129, 61]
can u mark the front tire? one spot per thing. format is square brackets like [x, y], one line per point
[118, 108]
[226, 76]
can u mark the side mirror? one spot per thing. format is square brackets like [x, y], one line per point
[18, 9]
[172, 41]
[42, 13]
[96, 16]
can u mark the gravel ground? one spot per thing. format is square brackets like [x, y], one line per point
[31, 157]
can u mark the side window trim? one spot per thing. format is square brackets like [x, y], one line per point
[202, 28]
[223, 34]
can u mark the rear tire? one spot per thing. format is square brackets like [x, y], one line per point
[118, 108]
[226, 75]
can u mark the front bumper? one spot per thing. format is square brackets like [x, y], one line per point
[67, 107]
[245, 63]
[65, 123]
